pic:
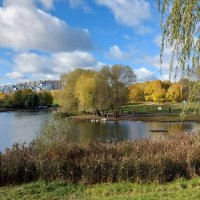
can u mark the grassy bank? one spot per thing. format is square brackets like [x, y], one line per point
[152, 108]
[149, 112]
[178, 190]
[149, 160]
[159, 117]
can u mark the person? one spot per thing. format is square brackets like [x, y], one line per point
[169, 109]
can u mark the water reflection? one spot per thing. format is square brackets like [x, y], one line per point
[20, 127]
[131, 130]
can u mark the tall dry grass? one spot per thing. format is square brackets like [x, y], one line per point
[148, 160]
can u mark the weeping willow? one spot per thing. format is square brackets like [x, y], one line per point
[180, 23]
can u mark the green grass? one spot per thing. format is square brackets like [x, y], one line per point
[148, 111]
[181, 189]
[153, 107]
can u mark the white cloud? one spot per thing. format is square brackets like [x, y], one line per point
[15, 75]
[164, 77]
[29, 3]
[34, 66]
[80, 4]
[116, 53]
[76, 3]
[131, 13]
[47, 3]
[23, 26]
[143, 74]
[154, 60]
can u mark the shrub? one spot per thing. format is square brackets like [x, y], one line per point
[54, 158]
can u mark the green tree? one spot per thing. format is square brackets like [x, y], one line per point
[16, 99]
[45, 98]
[180, 30]
[116, 81]
[32, 101]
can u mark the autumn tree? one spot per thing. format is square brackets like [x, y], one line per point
[88, 90]
[174, 93]
[85, 89]
[116, 80]
[136, 93]
[67, 98]
[155, 91]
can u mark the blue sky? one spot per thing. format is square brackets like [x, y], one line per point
[41, 39]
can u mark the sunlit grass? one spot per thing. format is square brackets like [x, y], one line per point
[181, 189]
[153, 107]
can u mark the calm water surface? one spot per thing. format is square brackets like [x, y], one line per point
[22, 126]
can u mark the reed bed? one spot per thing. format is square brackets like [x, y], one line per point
[149, 160]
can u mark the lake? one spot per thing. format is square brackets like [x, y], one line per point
[22, 126]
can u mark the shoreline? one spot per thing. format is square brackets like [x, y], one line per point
[25, 110]
[161, 117]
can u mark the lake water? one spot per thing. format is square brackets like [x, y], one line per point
[22, 126]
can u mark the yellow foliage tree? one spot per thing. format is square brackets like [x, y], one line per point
[136, 93]
[154, 91]
[85, 91]
[174, 93]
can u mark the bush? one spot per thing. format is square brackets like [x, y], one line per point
[55, 156]
[55, 133]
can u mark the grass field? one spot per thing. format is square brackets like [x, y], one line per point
[151, 108]
[148, 111]
[181, 189]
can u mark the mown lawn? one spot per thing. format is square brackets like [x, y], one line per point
[181, 189]
[151, 108]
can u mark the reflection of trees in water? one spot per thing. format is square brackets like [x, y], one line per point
[102, 130]
[124, 130]
[172, 127]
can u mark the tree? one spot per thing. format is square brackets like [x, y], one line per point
[32, 101]
[85, 91]
[185, 88]
[67, 99]
[91, 90]
[180, 30]
[16, 99]
[45, 98]
[174, 93]
[136, 92]
[155, 91]
[159, 95]
[116, 80]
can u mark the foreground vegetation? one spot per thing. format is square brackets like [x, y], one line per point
[179, 190]
[55, 155]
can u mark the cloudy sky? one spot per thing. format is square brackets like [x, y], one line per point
[41, 39]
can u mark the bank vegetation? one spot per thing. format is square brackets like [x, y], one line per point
[55, 155]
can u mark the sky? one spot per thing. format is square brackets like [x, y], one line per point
[42, 39]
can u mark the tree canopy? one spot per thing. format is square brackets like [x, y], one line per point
[26, 99]
[89, 90]
[158, 91]
[181, 30]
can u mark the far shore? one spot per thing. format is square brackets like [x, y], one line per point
[160, 117]
[27, 110]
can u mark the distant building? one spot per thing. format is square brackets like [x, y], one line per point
[33, 85]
